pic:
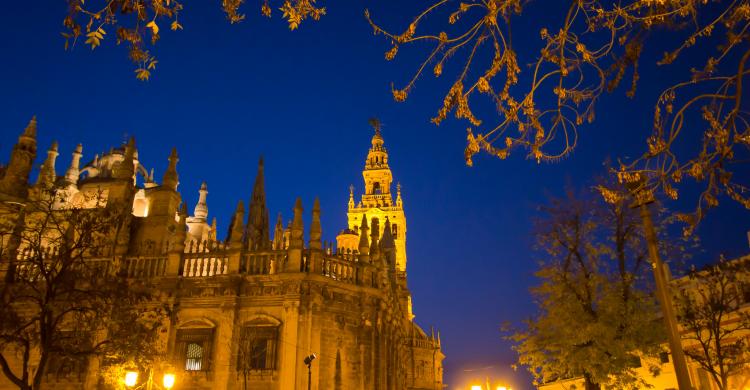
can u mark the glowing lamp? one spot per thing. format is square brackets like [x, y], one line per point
[501, 388]
[131, 378]
[168, 381]
[476, 387]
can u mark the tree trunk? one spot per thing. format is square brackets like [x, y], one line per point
[589, 384]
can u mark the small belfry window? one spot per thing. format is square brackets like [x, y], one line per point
[376, 188]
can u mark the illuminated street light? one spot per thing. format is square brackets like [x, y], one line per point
[168, 381]
[476, 387]
[131, 378]
[501, 388]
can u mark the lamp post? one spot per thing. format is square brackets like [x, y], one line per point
[131, 379]
[643, 198]
[308, 362]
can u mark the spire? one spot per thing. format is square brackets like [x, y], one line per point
[171, 179]
[30, 130]
[351, 196]
[126, 169]
[201, 208]
[257, 234]
[47, 174]
[278, 234]
[374, 234]
[235, 227]
[212, 232]
[16, 178]
[315, 229]
[386, 241]
[296, 240]
[71, 175]
[182, 228]
[364, 244]
[399, 201]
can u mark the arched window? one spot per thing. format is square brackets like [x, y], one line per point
[258, 346]
[394, 230]
[376, 187]
[193, 347]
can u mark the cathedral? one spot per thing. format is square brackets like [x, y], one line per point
[346, 301]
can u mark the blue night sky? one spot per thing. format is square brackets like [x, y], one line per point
[224, 95]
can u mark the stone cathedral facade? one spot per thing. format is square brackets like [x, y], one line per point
[347, 301]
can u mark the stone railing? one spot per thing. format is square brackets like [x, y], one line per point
[145, 266]
[421, 343]
[340, 269]
[206, 258]
[347, 269]
[262, 262]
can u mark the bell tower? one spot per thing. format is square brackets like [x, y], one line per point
[377, 201]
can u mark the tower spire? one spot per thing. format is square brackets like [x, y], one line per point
[170, 178]
[374, 235]
[234, 237]
[257, 233]
[201, 208]
[71, 175]
[278, 234]
[47, 174]
[16, 179]
[315, 229]
[126, 169]
[364, 243]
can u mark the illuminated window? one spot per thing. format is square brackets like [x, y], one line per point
[194, 357]
[193, 348]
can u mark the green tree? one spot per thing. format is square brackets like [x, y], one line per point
[716, 326]
[597, 315]
[65, 305]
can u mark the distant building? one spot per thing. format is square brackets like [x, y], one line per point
[348, 302]
[666, 378]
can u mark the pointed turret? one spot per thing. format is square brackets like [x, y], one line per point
[212, 231]
[234, 237]
[171, 179]
[74, 170]
[296, 241]
[364, 242]
[47, 173]
[374, 235]
[201, 208]
[126, 169]
[278, 234]
[16, 179]
[182, 226]
[295, 262]
[257, 235]
[351, 196]
[386, 241]
[399, 201]
[315, 228]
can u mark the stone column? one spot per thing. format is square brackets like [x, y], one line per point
[288, 346]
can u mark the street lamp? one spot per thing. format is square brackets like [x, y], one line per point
[643, 198]
[308, 362]
[131, 379]
[476, 387]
